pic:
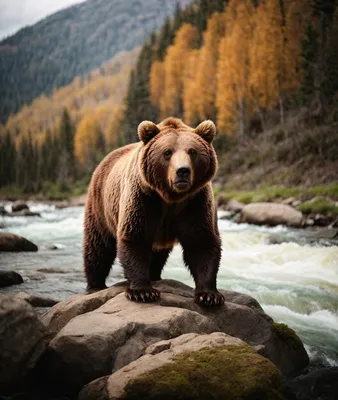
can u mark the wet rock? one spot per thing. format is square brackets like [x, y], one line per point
[52, 271]
[36, 301]
[11, 242]
[33, 276]
[320, 220]
[220, 366]
[19, 206]
[9, 278]
[52, 247]
[271, 214]
[102, 332]
[24, 213]
[235, 206]
[3, 212]
[317, 385]
[21, 340]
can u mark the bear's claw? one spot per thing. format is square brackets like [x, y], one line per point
[209, 298]
[143, 295]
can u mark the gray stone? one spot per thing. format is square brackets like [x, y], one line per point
[99, 333]
[19, 206]
[227, 372]
[15, 243]
[35, 301]
[21, 340]
[9, 278]
[271, 214]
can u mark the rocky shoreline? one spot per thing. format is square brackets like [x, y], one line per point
[274, 213]
[102, 346]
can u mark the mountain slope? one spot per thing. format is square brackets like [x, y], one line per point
[99, 94]
[72, 42]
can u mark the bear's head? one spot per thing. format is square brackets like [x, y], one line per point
[176, 160]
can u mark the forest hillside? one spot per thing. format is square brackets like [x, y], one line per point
[264, 71]
[72, 42]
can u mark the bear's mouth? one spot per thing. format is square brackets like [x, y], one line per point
[182, 184]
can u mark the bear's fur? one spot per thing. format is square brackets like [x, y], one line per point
[145, 197]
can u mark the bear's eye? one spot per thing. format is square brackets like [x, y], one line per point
[167, 154]
[192, 153]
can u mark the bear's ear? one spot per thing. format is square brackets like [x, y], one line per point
[207, 130]
[147, 130]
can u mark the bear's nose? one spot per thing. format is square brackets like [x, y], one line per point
[183, 172]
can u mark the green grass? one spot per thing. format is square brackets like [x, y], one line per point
[48, 191]
[320, 206]
[269, 193]
[323, 205]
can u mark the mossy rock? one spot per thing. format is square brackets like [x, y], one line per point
[226, 372]
[288, 335]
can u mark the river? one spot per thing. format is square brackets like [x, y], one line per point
[295, 282]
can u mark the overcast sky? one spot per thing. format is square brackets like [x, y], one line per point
[15, 14]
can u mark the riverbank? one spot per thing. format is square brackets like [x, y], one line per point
[293, 277]
[318, 204]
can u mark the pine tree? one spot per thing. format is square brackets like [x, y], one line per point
[67, 171]
[138, 104]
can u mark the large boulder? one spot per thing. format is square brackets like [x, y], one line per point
[11, 242]
[9, 278]
[271, 214]
[21, 340]
[94, 335]
[35, 301]
[191, 366]
[24, 213]
[317, 385]
[19, 206]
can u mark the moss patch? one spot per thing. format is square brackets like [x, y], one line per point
[287, 334]
[229, 372]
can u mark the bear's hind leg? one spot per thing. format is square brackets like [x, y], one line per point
[99, 255]
[158, 260]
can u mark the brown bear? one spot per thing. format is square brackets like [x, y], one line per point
[145, 197]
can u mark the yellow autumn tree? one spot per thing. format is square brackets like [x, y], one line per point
[112, 135]
[156, 82]
[233, 95]
[174, 66]
[190, 90]
[88, 142]
[275, 52]
[206, 77]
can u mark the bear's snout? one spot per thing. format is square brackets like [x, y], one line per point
[183, 178]
[183, 172]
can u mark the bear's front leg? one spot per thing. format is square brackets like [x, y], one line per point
[135, 258]
[202, 259]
